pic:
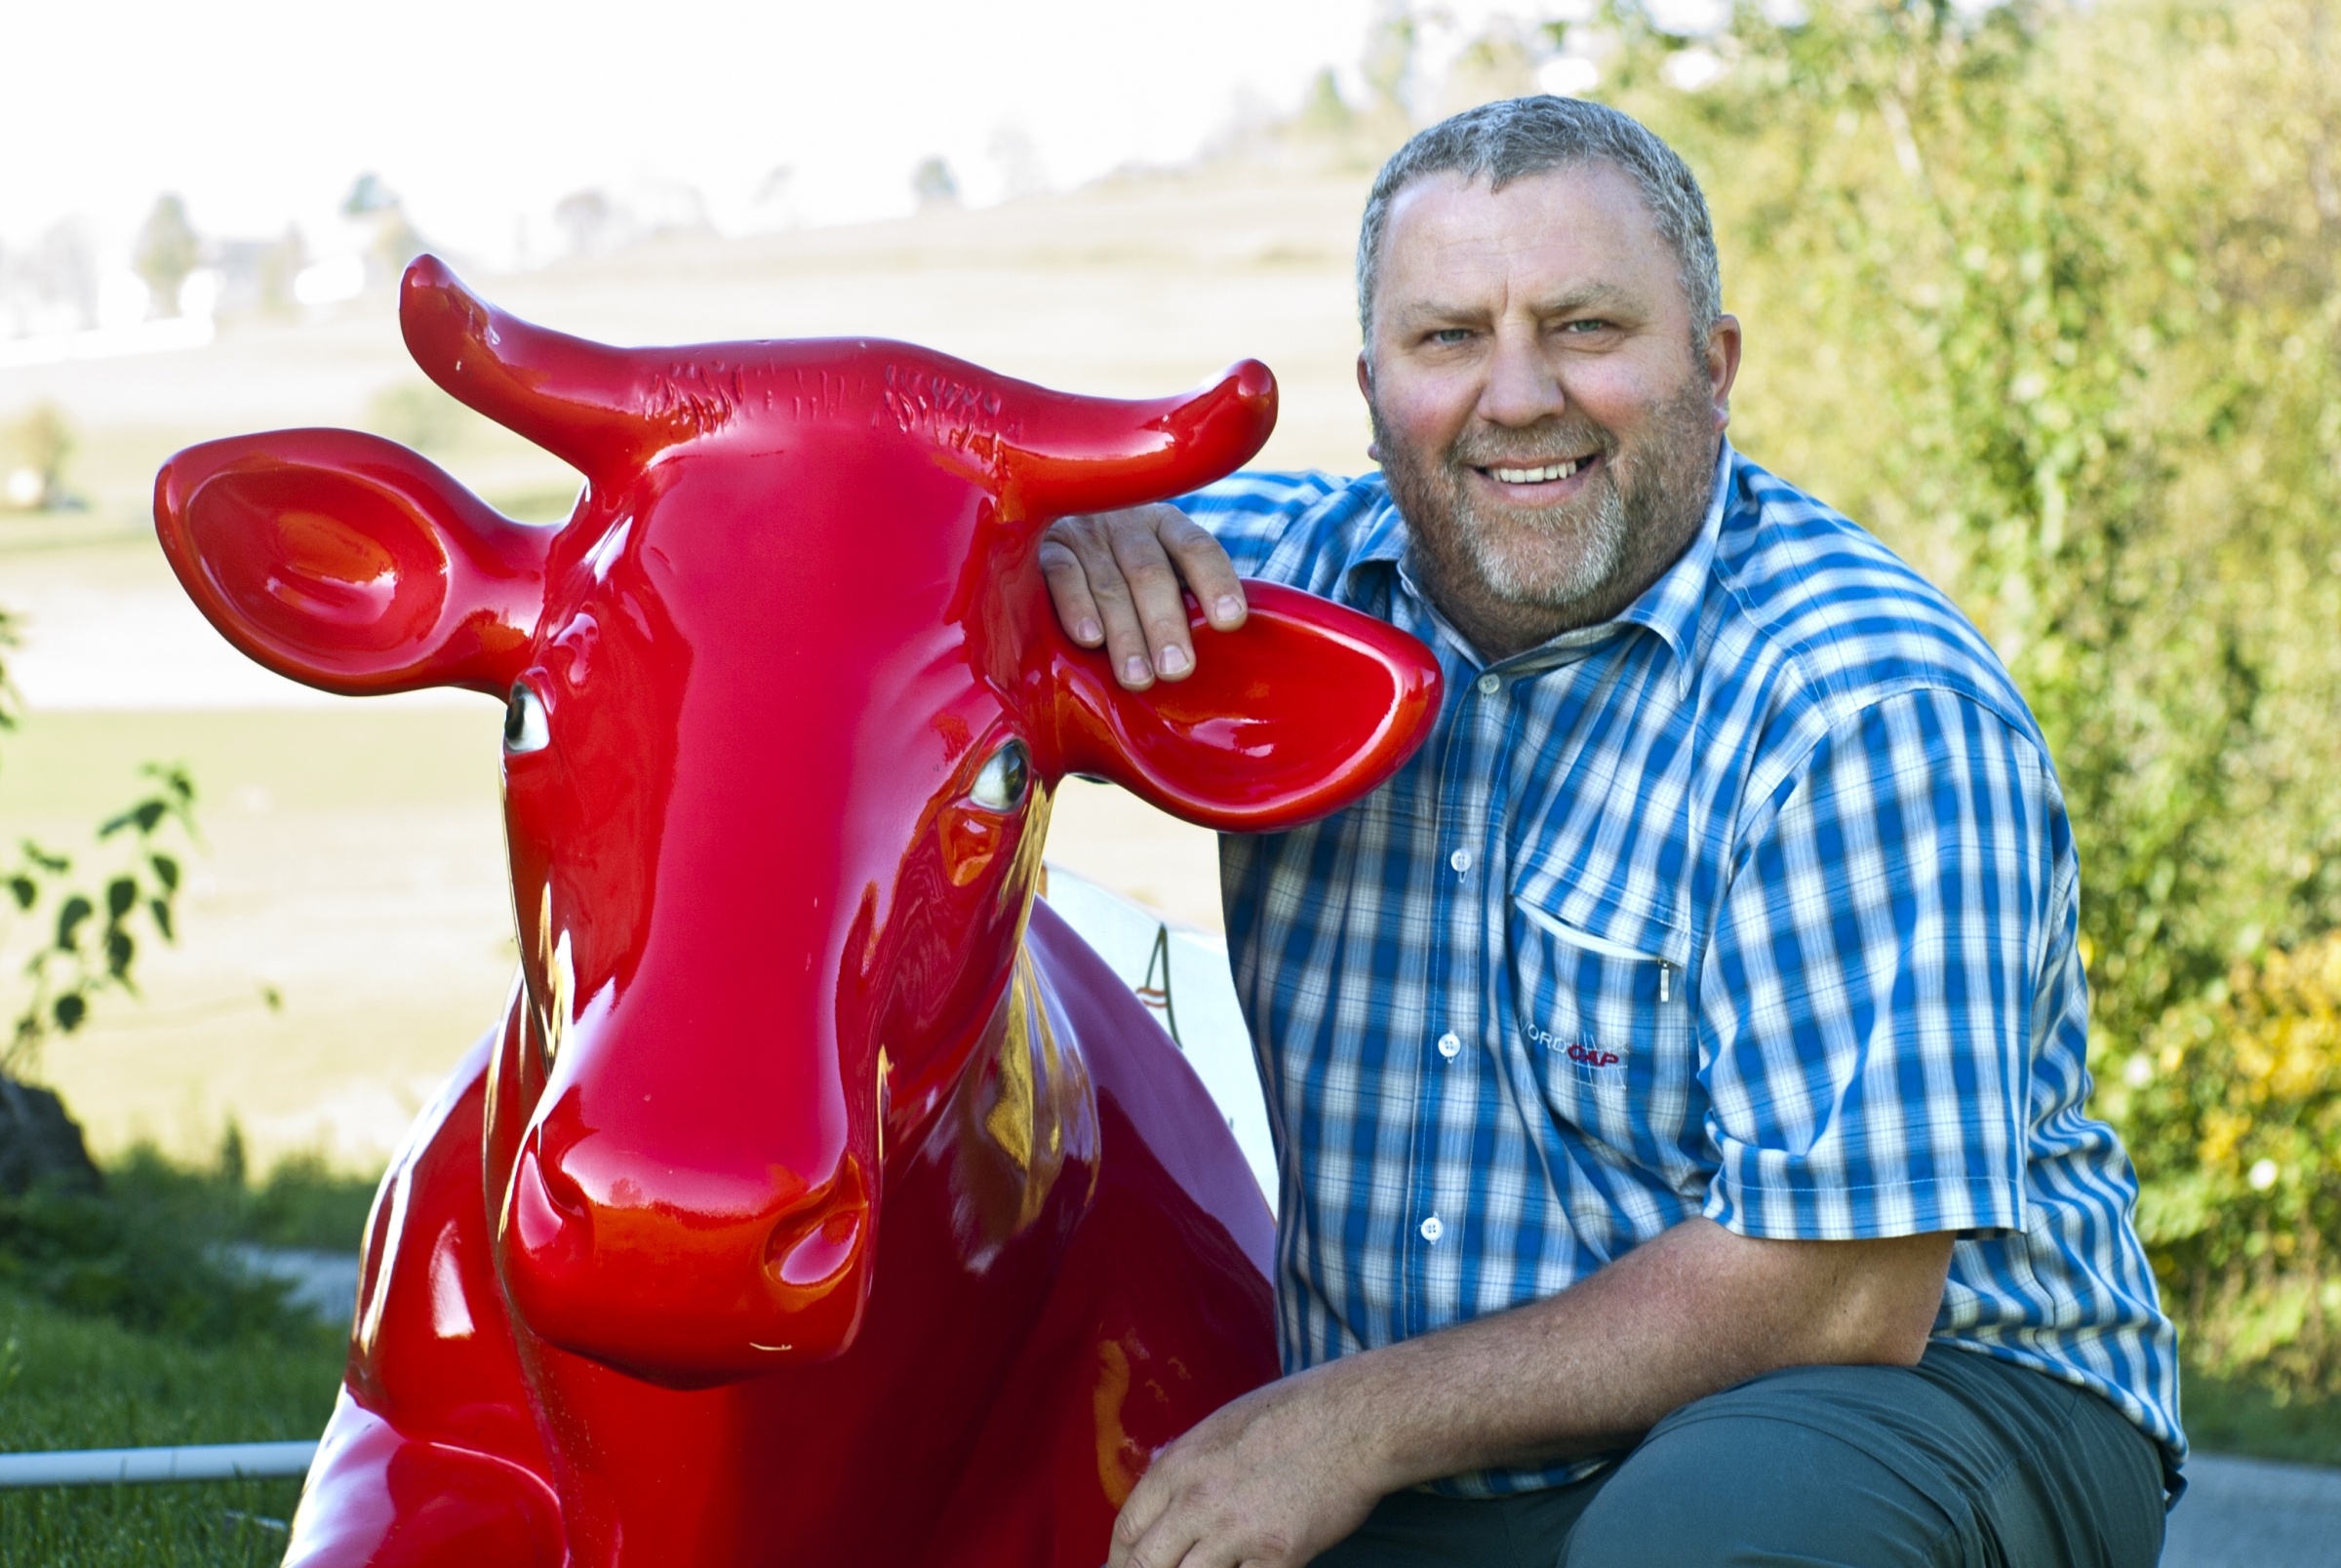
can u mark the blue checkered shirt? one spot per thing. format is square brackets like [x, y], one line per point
[1756, 902]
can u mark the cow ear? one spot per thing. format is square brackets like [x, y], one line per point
[350, 562]
[1306, 708]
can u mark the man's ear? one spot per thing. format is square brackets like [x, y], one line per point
[1373, 448]
[1305, 709]
[350, 562]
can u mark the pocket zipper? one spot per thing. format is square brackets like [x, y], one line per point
[1587, 942]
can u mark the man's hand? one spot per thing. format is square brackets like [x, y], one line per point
[1268, 1481]
[1286, 1470]
[1116, 579]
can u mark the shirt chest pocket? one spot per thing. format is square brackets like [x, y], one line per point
[1607, 1029]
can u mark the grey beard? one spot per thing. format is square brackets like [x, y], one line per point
[1554, 580]
[1619, 539]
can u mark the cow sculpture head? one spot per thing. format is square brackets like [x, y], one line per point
[786, 703]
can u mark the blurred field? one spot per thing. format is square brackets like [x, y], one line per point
[354, 865]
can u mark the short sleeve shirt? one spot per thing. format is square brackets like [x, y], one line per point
[1757, 902]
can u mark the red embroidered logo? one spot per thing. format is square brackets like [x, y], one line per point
[1593, 1056]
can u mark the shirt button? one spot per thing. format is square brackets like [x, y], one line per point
[1490, 685]
[1432, 1230]
[1448, 1046]
[1460, 860]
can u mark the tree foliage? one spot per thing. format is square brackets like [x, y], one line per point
[166, 252]
[89, 920]
[2051, 297]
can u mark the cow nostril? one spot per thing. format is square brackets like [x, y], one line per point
[546, 1204]
[563, 1190]
[817, 1248]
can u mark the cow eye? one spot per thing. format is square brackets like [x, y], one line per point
[525, 729]
[1007, 775]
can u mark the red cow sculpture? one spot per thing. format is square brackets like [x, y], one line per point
[821, 1198]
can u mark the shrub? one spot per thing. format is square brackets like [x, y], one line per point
[150, 1251]
[2233, 1105]
[2047, 295]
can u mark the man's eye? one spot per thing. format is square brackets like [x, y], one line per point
[1452, 335]
[1594, 326]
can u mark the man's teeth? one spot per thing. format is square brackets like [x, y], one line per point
[1538, 475]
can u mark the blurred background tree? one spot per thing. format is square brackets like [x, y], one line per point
[395, 241]
[34, 449]
[2050, 297]
[166, 252]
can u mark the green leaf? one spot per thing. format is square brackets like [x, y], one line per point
[143, 815]
[166, 871]
[160, 911]
[24, 891]
[69, 1010]
[68, 922]
[121, 895]
[120, 949]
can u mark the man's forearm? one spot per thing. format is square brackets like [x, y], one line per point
[1695, 1311]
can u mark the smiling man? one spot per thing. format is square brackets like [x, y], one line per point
[1678, 1069]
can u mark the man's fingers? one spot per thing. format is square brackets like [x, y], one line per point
[1112, 618]
[1140, 1511]
[1069, 592]
[1120, 579]
[1168, 1543]
[1210, 575]
[1157, 596]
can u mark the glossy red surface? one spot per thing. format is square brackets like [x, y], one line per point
[820, 1198]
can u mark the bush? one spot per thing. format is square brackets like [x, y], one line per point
[150, 1251]
[2047, 295]
[2233, 1102]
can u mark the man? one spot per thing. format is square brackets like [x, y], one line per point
[1677, 1071]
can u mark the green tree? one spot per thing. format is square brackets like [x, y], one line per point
[2050, 297]
[167, 251]
[88, 920]
[34, 449]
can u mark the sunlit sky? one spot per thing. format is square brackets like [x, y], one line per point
[483, 113]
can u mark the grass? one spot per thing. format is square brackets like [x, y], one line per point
[2244, 1419]
[68, 1380]
[119, 1328]
[127, 1361]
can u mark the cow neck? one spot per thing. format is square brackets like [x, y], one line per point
[1020, 1121]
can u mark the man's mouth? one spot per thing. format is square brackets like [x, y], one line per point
[1539, 473]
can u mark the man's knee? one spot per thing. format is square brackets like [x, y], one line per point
[1745, 1487]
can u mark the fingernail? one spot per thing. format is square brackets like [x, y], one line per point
[1173, 660]
[1086, 632]
[1227, 609]
[1134, 671]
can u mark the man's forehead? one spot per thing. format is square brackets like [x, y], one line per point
[1584, 230]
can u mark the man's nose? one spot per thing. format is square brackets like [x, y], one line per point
[1521, 388]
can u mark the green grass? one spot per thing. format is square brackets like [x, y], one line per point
[2237, 1418]
[116, 1334]
[72, 1381]
[118, 1329]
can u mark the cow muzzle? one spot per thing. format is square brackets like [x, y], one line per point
[683, 1277]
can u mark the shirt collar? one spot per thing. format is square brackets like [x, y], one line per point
[1669, 606]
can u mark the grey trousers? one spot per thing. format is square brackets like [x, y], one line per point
[1961, 1462]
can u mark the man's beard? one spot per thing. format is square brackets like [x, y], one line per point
[1580, 561]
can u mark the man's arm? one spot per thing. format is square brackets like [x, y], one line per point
[1116, 579]
[1278, 1475]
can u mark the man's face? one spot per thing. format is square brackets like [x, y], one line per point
[1546, 426]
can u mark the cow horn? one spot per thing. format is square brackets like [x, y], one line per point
[1092, 454]
[604, 412]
